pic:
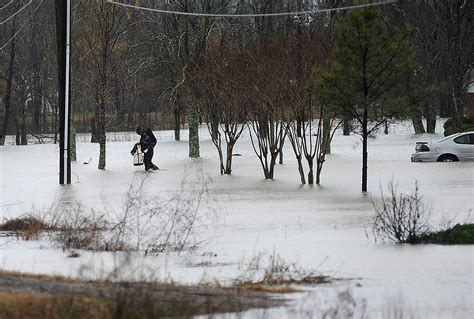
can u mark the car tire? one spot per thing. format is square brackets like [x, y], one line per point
[448, 158]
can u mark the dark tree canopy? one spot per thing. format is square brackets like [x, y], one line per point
[370, 58]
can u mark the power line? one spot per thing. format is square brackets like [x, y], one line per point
[14, 14]
[9, 3]
[19, 30]
[239, 15]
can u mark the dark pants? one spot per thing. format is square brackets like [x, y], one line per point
[147, 158]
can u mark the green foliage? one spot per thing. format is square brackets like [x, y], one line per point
[457, 235]
[370, 57]
[466, 126]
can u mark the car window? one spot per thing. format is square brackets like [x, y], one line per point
[446, 138]
[465, 139]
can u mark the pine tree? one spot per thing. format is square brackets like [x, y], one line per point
[370, 58]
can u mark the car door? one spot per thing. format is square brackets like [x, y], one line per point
[465, 147]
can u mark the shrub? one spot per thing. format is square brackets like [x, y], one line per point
[466, 125]
[78, 231]
[459, 234]
[400, 218]
[27, 227]
[276, 276]
[150, 224]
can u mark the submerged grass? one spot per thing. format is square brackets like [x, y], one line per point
[36, 296]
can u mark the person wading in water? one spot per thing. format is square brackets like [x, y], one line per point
[147, 144]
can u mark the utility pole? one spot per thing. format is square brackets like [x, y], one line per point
[63, 39]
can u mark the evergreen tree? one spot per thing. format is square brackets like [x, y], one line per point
[370, 58]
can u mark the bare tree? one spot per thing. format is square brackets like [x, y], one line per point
[9, 80]
[223, 101]
[101, 43]
[456, 29]
[192, 35]
[268, 113]
[424, 85]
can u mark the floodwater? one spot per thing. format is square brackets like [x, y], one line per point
[323, 228]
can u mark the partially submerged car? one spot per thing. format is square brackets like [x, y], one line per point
[453, 148]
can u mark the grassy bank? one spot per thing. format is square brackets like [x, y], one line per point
[31, 296]
[459, 234]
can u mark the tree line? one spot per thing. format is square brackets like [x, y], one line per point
[289, 78]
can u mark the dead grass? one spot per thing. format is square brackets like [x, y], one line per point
[267, 288]
[276, 276]
[282, 286]
[26, 296]
[27, 227]
[37, 276]
[25, 306]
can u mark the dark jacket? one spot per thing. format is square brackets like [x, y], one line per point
[147, 139]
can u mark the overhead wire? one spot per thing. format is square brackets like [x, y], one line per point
[15, 13]
[244, 15]
[19, 30]
[9, 3]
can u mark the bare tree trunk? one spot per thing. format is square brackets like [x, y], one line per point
[24, 139]
[102, 109]
[36, 102]
[430, 110]
[346, 126]
[130, 116]
[271, 171]
[431, 123]
[193, 132]
[417, 121]
[20, 115]
[300, 169]
[177, 119]
[319, 168]
[8, 92]
[364, 152]
[56, 126]
[280, 157]
[298, 126]
[326, 133]
[221, 162]
[228, 164]
[118, 106]
[213, 127]
[95, 126]
[102, 137]
[17, 133]
[444, 105]
[72, 143]
[36, 93]
[457, 111]
[311, 171]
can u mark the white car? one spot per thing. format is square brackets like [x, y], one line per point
[453, 148]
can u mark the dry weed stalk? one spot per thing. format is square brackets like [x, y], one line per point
[152, 224]
[400, 218]
[277, 272]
